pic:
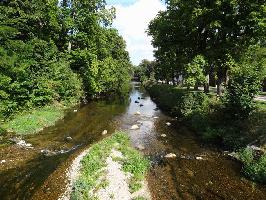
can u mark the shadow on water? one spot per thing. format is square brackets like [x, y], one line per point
[197, 172]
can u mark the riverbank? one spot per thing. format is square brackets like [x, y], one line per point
[110, 169]
[203, 113]
[34, 121]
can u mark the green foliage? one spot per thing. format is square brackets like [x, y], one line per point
[253, 167]
[179, 102]
[243, 86]
[49, 56]
[213, 29]
[195, 72]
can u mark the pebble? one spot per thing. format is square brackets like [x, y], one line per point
[2, 161]
[104, 132]
[134, 127]
[138, 113]
[199, 158]
[168, 123]
[140, 147]
[163, 135]
[69, 138]
[170, 155]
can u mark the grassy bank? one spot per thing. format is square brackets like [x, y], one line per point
[93, 170]
[205, 115]
[33, 121]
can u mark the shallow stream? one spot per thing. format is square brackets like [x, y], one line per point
[198, 171]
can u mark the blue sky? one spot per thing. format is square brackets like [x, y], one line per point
[132, 19]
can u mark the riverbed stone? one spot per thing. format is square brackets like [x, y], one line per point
[134, 127]
[199, 158]
[170, 155]
[104, 132]
[140, 147]
[168, 123]
[68, 138]
[2, 161]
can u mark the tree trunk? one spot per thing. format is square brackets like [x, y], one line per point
[207, 84]
[196, 86]
[219, 86]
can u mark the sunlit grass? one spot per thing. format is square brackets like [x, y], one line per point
[94, 163]
[36, 120]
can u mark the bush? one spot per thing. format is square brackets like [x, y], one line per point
[254, 168]
[34, 74]
[243, 86]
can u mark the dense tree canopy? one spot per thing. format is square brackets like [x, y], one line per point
[218, 30]
[58, 51]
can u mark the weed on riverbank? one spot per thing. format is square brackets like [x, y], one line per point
[34, 121]
[94, 169]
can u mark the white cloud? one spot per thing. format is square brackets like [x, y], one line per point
[132, 22]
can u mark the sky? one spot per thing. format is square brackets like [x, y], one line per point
[132, 19]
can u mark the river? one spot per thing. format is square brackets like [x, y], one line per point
[198, 172]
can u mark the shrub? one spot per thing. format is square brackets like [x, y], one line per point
[243, 86]
[253, 167]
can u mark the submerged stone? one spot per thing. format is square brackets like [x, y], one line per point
[104, 132]
[134, 127]
[168, 123]
[170, 155]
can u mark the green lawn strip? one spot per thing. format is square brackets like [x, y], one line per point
[34, 121]
[261, 105]
[93, 164]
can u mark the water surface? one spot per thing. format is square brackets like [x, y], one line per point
[198, 172]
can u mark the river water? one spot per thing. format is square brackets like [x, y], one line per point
[198, 171]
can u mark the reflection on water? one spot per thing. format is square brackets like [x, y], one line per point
[214, 176]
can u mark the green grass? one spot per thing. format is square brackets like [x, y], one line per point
[33, 122]
[263, 93]
[261, 105]
[94, 162]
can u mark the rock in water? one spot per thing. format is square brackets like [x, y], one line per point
[155, 117]
[136, 102]
[68, 139]
[170, 155]
[163, 135]
[141, 105]
[138, 113]
[199, 158]
[134, 127]
[140, 147]
[168, 123]
[104, 132]
[2, 161]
